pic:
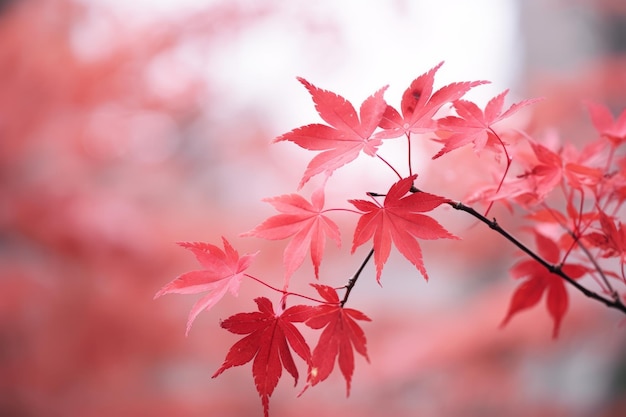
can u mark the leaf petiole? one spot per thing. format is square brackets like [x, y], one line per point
[283, 292]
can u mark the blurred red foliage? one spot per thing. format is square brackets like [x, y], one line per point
[94, 164]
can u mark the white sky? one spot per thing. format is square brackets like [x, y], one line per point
[380, 42]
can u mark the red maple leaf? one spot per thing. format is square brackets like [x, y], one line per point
[399, 221]
[544, 170]
[612, 240]
[573, 221]
[305, 222]
[345, 138]
[419, 107]
[540, 280]
[606, 125]
[472, 125]
[269, 336]
[341, 336]
[223, 270]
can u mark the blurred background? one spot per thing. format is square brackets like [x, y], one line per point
[128, 126]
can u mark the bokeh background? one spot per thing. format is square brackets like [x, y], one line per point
[128, 126]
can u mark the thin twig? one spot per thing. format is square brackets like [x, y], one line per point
[356, 275]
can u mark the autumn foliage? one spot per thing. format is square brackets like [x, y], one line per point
[571, 200]
[136, 160]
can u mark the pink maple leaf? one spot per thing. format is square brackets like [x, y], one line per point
[418, 106]
[347, 135]
[305, 222]
[605, 124]
[472, 125]
[223, 271]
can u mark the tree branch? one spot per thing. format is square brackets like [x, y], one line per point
[615, 303]
[555, 269]
[352, 281]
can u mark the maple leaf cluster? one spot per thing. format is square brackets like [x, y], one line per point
[569, 241]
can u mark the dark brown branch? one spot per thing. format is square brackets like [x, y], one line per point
[615, 303]
[352, 281]
[555, 269]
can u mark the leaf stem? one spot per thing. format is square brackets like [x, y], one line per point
[341, 209]
[595, 264]
[506, 170]
[283, 292]
[575, 235]
[390, 166]
[408, 139]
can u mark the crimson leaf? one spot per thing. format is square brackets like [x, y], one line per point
[269, 336]
[540, 280]
[399, 221]
[340, 337]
